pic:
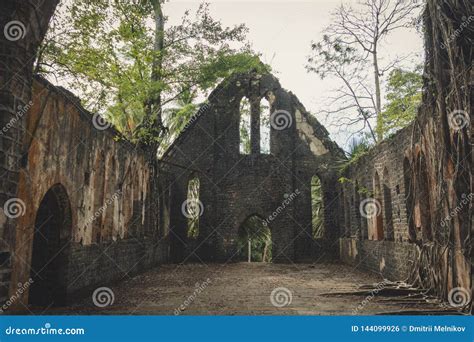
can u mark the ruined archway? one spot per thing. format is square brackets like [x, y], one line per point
[254, 240]
[51, 239]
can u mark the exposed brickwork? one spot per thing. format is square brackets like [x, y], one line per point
[235, 186]
[111, 188]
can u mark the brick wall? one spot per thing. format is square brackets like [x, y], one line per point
[234, 186]
[109, 192]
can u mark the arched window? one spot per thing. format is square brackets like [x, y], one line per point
[244, 127]
[377, 218]
[347, 211]
[254, 127]
[409, 199]
[194, 208]
[387, 205]
[358, 216]
[264, 126]
[422, 203]
[317, 208]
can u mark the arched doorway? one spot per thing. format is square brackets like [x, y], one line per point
[254, 240]
[377, 220]
[50, 249]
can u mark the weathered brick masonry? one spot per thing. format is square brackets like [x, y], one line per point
[103, 192]
[234, 186]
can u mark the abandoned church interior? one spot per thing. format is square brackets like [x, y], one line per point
[96, 210]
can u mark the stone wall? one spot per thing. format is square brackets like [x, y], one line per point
[234, 186]
[394, 252]
[107, 191]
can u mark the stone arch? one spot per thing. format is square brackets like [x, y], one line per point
[422, 199]
[377, 219]
[387, 205]
[51, 239]
[357, 214]
[254, 238]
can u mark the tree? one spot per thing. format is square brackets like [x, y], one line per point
[353, 41]
[132, 71]
[404, 89]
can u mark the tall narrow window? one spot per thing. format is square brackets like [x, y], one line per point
[194, 208]
[422, 203]
[358, 216]
[244, 127]
[387, 204]
[264, 127]
[409, 199]
[317, 208]
[377, 218]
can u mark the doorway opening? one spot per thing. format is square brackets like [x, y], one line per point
[254, 240]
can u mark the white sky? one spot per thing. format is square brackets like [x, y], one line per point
[282, 32]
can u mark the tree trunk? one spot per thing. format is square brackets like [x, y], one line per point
[265, 251]
[249, 251]
[153, 103]
[378, 99]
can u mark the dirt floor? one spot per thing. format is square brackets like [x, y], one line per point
[240, 289]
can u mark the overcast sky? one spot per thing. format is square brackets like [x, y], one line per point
[282, 32]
